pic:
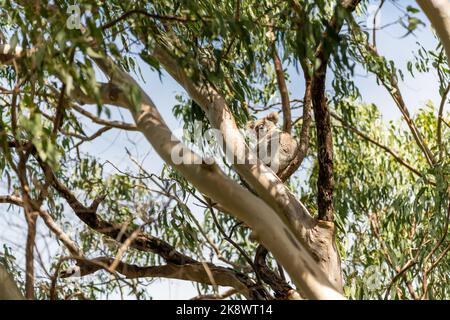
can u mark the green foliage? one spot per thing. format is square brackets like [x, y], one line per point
[386, 215]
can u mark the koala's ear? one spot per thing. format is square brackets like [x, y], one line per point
[250, 125]
[273, 116]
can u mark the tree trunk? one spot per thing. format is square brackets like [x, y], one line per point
[322, 243]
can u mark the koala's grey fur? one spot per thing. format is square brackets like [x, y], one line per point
[269, 136]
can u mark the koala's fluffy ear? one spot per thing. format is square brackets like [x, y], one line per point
[273, 116]
[250, 125]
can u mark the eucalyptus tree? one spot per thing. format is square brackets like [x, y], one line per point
[376, 196]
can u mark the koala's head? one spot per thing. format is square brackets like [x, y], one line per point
[264, 125]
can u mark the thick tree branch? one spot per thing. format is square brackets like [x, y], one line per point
[237, 200]
[144, 242]
[440, 119]
[88, 214]
[263, 180]
[438, 11]
[284, 92]
[189, 271]
[281, 288]
[12, 200]
[274, 233]
[325, 181]
[282, 86]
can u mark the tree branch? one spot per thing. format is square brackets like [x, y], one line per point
[12, 200]
[391, 84]
[274, 233]
[440, 119]
[107, 123]
[189, 271]
[325, 181]
[8, 287]
[88, 215]
[438, 11]
[262, 180]
[218, 296]
[303, 144]
[282, 86]
[143, 242]
[281, 288]
[388, 150]
[244, 205]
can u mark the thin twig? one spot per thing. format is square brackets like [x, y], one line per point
[385, 148]
[440, 119]
[374, 31]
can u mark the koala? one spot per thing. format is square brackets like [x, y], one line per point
[274, 147]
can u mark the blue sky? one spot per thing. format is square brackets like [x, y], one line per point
[111, 146]
[417, 91]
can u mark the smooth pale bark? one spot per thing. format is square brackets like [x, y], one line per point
[438, 11]
[191, 270]
[261, 178]
[313, 235]
[8, 53]
[211, 181]
[272, 231]
[8, 287]
[316, 236]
